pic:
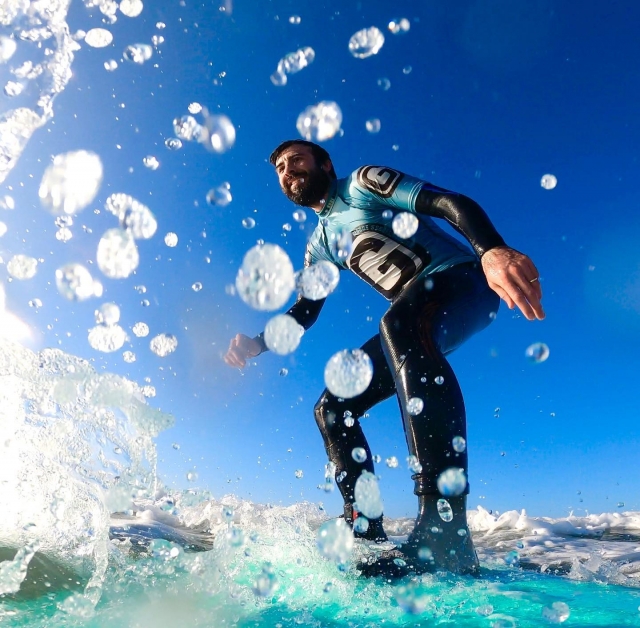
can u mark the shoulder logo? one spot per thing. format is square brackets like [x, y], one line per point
[380, 180]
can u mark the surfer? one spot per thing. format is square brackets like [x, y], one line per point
[441, 292]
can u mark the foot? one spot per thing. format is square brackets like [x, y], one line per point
[394, 564]
[374, 530]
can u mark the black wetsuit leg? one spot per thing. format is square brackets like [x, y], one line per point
[430, 318]
[339, 439]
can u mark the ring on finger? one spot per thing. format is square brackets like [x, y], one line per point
[534, 279]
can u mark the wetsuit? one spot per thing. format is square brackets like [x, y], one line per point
[439, 298]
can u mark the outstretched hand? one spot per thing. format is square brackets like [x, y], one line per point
[241, 348]
[513, 276]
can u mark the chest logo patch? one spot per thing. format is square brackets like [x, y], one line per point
[380, 180]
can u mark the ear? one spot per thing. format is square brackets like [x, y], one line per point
[327, 166]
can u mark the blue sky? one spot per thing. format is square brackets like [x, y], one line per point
[498, 94]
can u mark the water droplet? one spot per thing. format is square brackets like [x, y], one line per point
[196, 287]
[361, 524]
[221, 196]
[7, 202]
[295, 19]
[439, 380]
[425, 554]
[218, 133]
[548, 182]
[141, 330]
[414, 464]
[557, 613]
[282, 334]
[266, 583]
[173, 143]
[317, 281]
[134, 217]
[22, 267]
[107, 314]
[131, 8]
[412, 599]
[444, 510]
[156, 40]
[366, 42]
[335, 540]
[405, 224]
[348, 373]
[64, 234]
[392, 462]
[8, 47]
[117, 254]
[512, 558]
[376, 458]
[71, 182]
[349, 421]
[373, 125]
[462, 532]
[485, 610]
[299, 215]
[286, 226]
[107, 338]
[459, 444]
[192, 476]
[163, 344]
[98, 38]
[37, 303]
[341, 243]
[299, 474]
[452, 482]
[537, 352]
[318, 123]
[399, 25]
[359, 454]
[187, 128]
[171, 239]
[110, 65]
[367, 495]
[248, 223]
[266, 279]
[415, 406]
[384, 84]
[407, 69]
[194, 108]
[620, 505]
[292, 63]
[138, 53]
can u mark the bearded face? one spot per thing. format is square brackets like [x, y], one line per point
[306, 187]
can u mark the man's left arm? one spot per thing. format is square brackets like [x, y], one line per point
[511, 274]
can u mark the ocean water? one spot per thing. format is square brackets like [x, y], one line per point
[123, 223]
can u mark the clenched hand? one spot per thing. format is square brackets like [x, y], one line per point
[241, 348]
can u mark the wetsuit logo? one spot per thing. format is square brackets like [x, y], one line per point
[380, 180]
[384, 263]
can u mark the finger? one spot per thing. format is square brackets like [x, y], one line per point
[532, 294]
[233, 358]
[531, 272]
[502, 294]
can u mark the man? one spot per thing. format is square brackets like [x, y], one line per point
[441, 293]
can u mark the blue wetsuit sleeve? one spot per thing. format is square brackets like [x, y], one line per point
[462, 213]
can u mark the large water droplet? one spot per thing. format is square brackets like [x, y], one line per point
[341, 243]
[266, 583]
[452, 482]
[459, 444]
[548, 182]
[414, 464]
[557, 613]
[107, 338]
[71, 182]
[131, 8]
[282, 334]
[318, 123]
[8, 47]
[107, 314]
[141, 330]
[74, 282]
[138, 53]
[117, 254]
[187, 128]
[359, 454]
[22, 266]
[367, 495]
[415, 406]
[537, 352]
[173, 143]
[399, 25]
[218, 133]
[220, 196]
[163, 344]
[266, 279]
[348, 373]
[392, 462]
[317, 281]
[405, 224]
[98, 38]
[373, 125]
[444, 510]
[335, 540]
[171, 239]
[366, 42]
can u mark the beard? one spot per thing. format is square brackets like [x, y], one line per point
[312, 191]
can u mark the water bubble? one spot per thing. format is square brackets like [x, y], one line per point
[266, 279]
[348, 373]
[286, 226]
[282, 334]
[278, 78]
[107, 314]
[392, 462]
[98, 38]
[372, 125]
[74, 282]
[187, 128]
[414, 464]
[349, 421]
[335, 540]
[148, 391]
[395, 147]
[462, 532]
[110, 65]
[459, 444]
[22, 266]
[107, 338]
[266, 583]
[156, 40]
[387, 214]
[283, 372]
[175, 446]
[218, 133]
[620, 505]
[439, 380]
[194, 108]
[411, 598]
[425, 554]
[64, 234]
[196, 287]
[452, 482]
[160, 25]
[444, 510]
[295, 19]
[407, 69]
[131, 8]
[537, 352]
[318, 123]
[248, 223]
[415, 406]
[512, 558]
[138, 53]
[484, 610]
[341, 243]
[317, 281]
[367, 495]
[13, 88]
[299, 474]
[548, 182]
[366, 42]
[171, 239]
[163, 344]
[136, 218]
[399, 25]
[173, 143]
[192, 476]
[117, 254]
[71, 182]
[220, 196]
[141, 330]
[376, 458]
[557, 613]
[8, 47]
[384, 84]
[405, 224]
[361, 525]
[359, 454]
[129, 357]
[37, 303]
[299, 215]
[296, 61]
[7, 202]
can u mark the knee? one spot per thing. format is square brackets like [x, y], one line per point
[325, 413]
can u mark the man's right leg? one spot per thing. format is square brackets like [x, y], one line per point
[341, 436]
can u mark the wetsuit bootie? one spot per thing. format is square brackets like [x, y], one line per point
[374, 530]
